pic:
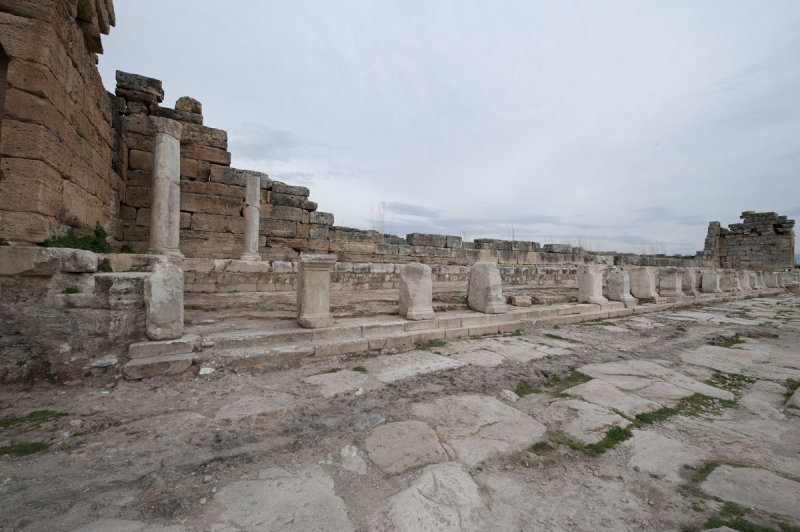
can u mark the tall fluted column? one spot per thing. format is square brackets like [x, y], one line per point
[165, 208]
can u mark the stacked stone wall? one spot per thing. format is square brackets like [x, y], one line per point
[762, 241]
[56, 137]
[212, 192]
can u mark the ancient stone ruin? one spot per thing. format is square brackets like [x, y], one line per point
[424, 384]
[153, 179]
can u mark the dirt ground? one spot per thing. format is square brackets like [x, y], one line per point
[322, 447]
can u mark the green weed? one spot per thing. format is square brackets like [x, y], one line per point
[23, 449]
[37, 416]
[199, 307]
[93, 242]
[523, 389]
[730, 342]
[332, 370]
[70, 290]
[791, 386]
[362, 369]
[559, 383]
[432, 344]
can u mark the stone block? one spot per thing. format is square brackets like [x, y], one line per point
[75, 260]
[278, 228]
[281, 212]
[313, 291]
[321, 218]
[145, 368]
[29, 185]
[234, 176]
[180, 116]
[711, 282]
[283, 188]
[189, 105]
[590, 284]
[416, 292]
[643, 283]
[211, 204]
[670, 283]
[519, 301]
[142, 84]
[24, 260]
[290, 200]
[453, 242]
[217, 223]
[185, 344]
[205, 153]
[485, 289]
[163, 298]
[618, 284]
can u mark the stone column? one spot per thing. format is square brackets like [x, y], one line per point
[485, 289]
[618, 283]
[416, 292]
[744, 280]
[729, 282]
[757, 280]
[163, 301]
[670, 283]
[771, 279]
[165, 206]
[252, 216]
[711, 282]
[314, 291]
[643, 283]
[590, 284]
[690, 282]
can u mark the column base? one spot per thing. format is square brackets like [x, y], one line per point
[251, 256]
[419, 314]
[315, 322]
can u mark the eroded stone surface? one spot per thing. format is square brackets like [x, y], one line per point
[582, 421]
[397, 447]
[482, 358]
[394, 368]
[283, 499]
[444, 498]
[476, 427]
[253, 405]
[343, 382]
[660, 456]
[609, 396]
[757, 488]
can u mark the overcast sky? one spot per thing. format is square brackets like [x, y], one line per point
[616, 125]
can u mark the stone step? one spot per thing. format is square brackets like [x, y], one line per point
[185, 344]
[265, 358]
[144, 368]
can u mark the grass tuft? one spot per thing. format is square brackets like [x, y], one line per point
[362, 369]
[23, 449]
[732, 341]
[523, 389]
[37, 416]
[614, 436]
[432, 344]
[332, 370]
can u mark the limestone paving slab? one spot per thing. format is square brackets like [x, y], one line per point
[585, 422]
[609, 396]
[756, 488]
[444, 498]
[482, 358]
[283, 499]
[404, 445]
[660, 456]
[126, 525]
[253, 405]
[476, 427]
[392, 368]
[635, 375]
[343, 382]
[738, 361]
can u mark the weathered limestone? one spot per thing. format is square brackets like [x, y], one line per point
[618, 283]
[590, 284]
[643, 283]
[165, 211]
[416, 292]
[744, 280]
[163, 300]
[670, 283]
[252, 216]
[690, 282]
[313, 291]
[759, 281]
[729, 281]
[711, 282]
[771, 279]
[485, 289]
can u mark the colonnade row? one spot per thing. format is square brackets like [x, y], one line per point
[485, 290]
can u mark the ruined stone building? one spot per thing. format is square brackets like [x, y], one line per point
[75, 157]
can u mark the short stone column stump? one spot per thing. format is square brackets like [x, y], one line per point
[314, 291]
[416, 292]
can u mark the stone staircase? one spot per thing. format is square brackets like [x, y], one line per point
[282, 343]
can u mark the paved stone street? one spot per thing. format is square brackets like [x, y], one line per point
[684, 419]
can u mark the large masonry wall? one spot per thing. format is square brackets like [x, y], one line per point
[762, 241]
[56, 139]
